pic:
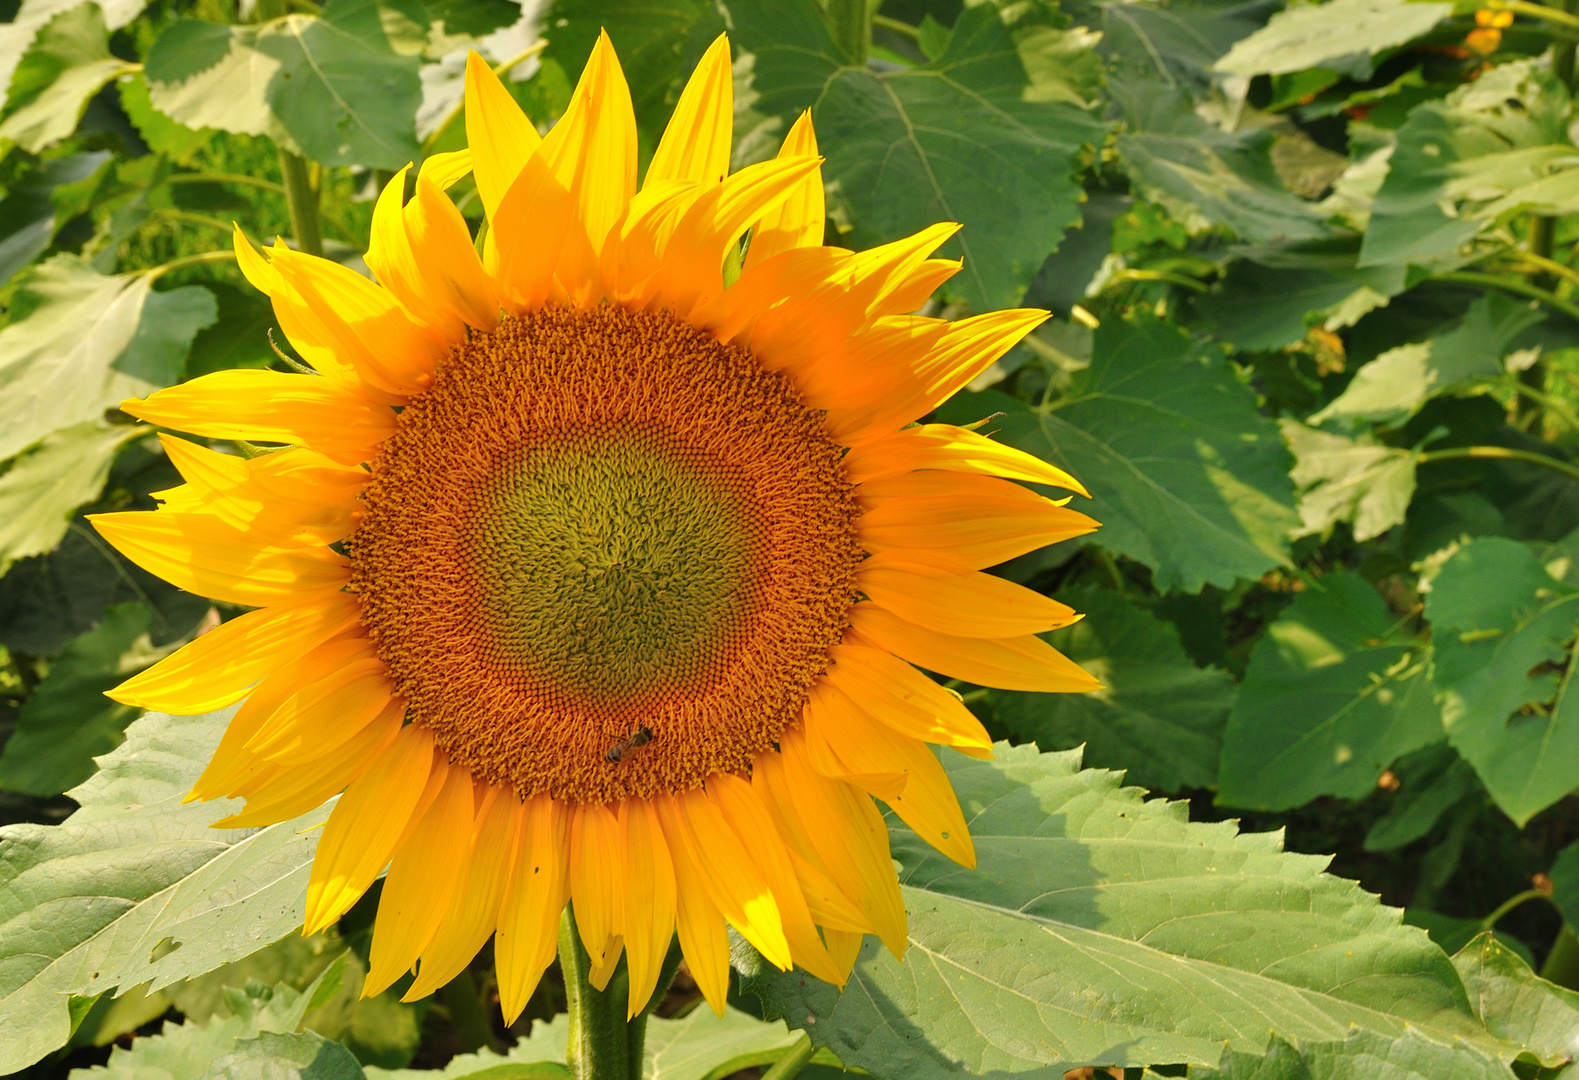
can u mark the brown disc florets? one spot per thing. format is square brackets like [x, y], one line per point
[597, 522]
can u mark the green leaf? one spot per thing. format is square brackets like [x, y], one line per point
[328, 87]
[18, 35]
[305, 1055]
[474, 18]
[1502, 628]
[1565, 883]
[658, 44]
[539, 1056]
[1335, 693]
[953, 140]
[1342, 35]
[162, 134]
[68, 63]
[1453, 933]
[85, 906]
[1361, 1056]
[1184, 475]
[41, 491]
[239, 337]
[186, 1051]
[1102, 928]
[67, 721]
[1155, 48]
[1159, 718]
[1209, 178]
[1493, 149]
[28, 216]
[1341, 479]
[1518, 1005]
[1271, 298]
[80, 342]
[1431, 782]
[1392, 387]
[704, 1046]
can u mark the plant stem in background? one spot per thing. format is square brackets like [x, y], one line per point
[301, 199]
[459, 996]
[1498, 453]
[852, 28]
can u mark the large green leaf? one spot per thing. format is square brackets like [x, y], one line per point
[1103, 928]
[953, 140]
[186, 1051]
[1335, 692]
[28, 218]
[704, 1046]
[1502, 630]
[17, 35]
[1431, 781]
[1494, 148]
[86, 905]
[329, 87]
[41, 491]
[1391, 387]
[302, 1055]
[68, 63]
[1158, 717]
[1361, 1056]
[1357, 480]
[80, 342]
[543, 1048]
[1342, 35]
[1184, 475]
[67, 721]
[1270, 299]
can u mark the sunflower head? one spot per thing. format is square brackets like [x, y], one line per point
[587, 578]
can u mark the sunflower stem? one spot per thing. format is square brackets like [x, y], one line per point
[301, 199]
[852, 28]
[796, 1059]
[601, 1045]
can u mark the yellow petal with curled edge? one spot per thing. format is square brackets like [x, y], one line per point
[798, 221]
[940, 594]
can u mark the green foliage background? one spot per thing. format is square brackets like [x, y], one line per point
[1315, 279]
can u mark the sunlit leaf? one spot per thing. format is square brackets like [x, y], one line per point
[1357, 480]
[1335, 692]
[68, 63]
[135, 888]
[1502, 632]
[1342, 35]
[42, 490]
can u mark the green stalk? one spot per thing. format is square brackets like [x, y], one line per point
[301, 199]
[599, 1047]
[852, 28]
[460, 998]
[796, 1059]
[1562, 963]
[1498, 453]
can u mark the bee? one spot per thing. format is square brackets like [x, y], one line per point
[622, 750]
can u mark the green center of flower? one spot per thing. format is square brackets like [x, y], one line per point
[612, 564]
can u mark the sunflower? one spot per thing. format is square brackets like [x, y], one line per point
[591, 576]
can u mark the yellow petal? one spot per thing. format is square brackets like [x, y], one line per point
[231, 762]
[849, 835]
[592, 151]
[366, 825]
[648, 901]
[272, 406]
[798, 221]
[498, 133]
[698, 922]
[903, 698]
[733, 883]
[321, 716]
[203, 555]
[695, 145]
[749, 820]
[1019, 663]
[594, 835]
[927, 804]
[944, 446]
[474, 908]
[979, 520]
[532, 228]
[422, 876]
[445, 169]
[219, 667]
[241, 493]
[533, 900]
[844, 948]
[279, 794]
[940, 595]
[830, 905]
